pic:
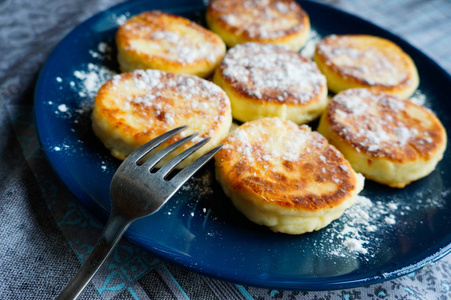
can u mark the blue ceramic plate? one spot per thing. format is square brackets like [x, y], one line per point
[199, 229]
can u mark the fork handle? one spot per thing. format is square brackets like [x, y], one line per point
[109, 238]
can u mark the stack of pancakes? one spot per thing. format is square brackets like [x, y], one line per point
[277, 171]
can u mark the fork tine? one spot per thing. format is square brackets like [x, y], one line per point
[136, 155]
[170, 165]
[155, 159]
[192, 168]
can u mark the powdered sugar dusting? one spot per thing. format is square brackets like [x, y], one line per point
[355, 245]
[199, 190]
[261, 19]
[309, 48]
[102, 52]
[375, 122]
[165, 100]
[63, 108]
[85, 81]
[185, 86]
[272, 72]
[358, 230]
[120, 19]
[180, 43]
[91, 79]
[253, 143]
[419, 98]
[370, 64]
[184, 50]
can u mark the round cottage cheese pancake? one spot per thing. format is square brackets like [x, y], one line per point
[387, 139]
[285, 176]
[281, 22]
[133, 108]
[265, 80]
[157, 40]
[364, 61]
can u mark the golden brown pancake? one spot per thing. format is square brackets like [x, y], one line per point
[285, 176]
[133, 108]
[157, 40]
[387, 139]
[265, 80]
[364, 61]
[281, 22]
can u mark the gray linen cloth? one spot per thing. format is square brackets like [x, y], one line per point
[45, 232]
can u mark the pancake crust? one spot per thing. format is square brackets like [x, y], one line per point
[281, 22]
[157, 40]
[285, 176]
[364, 61]
[265, 80]
[387, 139]
[133, 108]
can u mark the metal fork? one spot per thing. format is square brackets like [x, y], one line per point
[137, 192]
